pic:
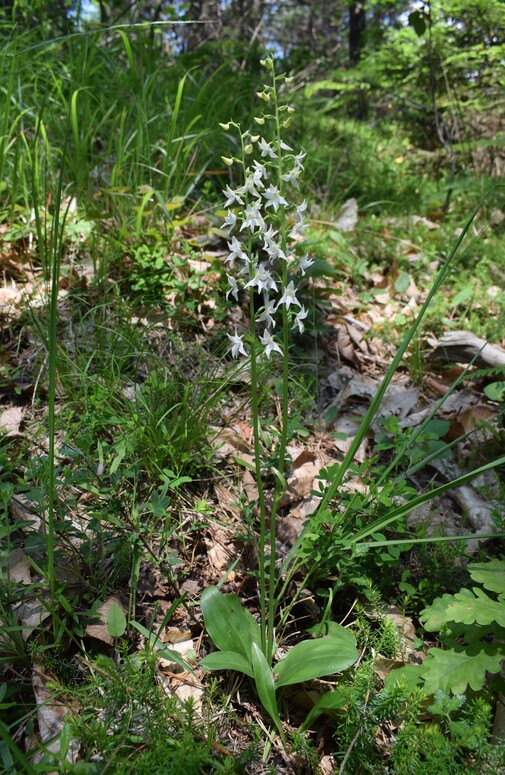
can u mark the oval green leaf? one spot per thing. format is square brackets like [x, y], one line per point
[334, 630]
[402, 282]
[315, 658]
[116, 621]
[229, 624]
[328, 702]
[495, 391]
[227, 660]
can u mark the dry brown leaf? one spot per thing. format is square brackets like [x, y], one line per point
[175, 635]
[287, 531]
[220, 547]
[51, 714]
[228, 442]
[348, 216]
[303, 455]
[187, 651]
[31, 613]
[346, 345]
[187, 690]
[327, 765]
[407, 632]
[347, 428]
[228, 500]
[249, 485]
[456, 403]
[198, 265]
[19, 569]
[11, 419]
[469, 419]
[99, 629]
[383, 666]
[425, 221]
[305, 508]
[301, 482]
[399, 401]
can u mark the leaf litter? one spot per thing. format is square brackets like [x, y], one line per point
[355, 356]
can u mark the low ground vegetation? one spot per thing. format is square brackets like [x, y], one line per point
[140, 463]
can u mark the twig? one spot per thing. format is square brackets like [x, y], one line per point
[354, 740]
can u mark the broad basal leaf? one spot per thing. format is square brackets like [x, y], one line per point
[229, 624]
[328, 702]
[227, 660]
[455, 669]
[334, 630]
[490, 574]
[315, 658]
[265, 686]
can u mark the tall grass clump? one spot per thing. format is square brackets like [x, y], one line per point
[140, 146]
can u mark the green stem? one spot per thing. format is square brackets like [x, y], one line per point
[57, 248]
[259, 481]
[257, 443]
[280, 480]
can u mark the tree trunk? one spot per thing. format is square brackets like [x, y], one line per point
[208, 11]
[357, 24]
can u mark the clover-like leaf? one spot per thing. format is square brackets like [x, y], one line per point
[315, 658]
[229, 624]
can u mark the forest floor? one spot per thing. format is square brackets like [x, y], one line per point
[155, 495]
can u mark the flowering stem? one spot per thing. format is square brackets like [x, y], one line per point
[260, 257]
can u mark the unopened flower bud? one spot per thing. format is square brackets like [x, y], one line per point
[225, 126]
[263, 96]
[255, 138]
[248, 148]
[227, 160]
[259, 120]
[286, 123]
